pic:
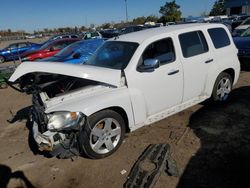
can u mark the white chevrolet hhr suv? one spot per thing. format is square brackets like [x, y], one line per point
[131, 81]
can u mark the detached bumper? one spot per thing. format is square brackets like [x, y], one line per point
[54, 142]
[48, 140]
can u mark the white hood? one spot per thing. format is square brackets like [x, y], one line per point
[104, 75]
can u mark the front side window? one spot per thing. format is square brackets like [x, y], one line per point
[219, 37]
[193, 43]
[163, 50]
[113, 54]
[21, 45]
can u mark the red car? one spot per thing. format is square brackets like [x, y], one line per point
[48, 49]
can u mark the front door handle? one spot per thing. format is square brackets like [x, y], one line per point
[173, 72]
[209, 61]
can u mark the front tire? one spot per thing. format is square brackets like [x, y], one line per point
[102, 134]
[222, 87]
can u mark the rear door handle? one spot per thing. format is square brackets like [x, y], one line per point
[209, 61]
[173, 72]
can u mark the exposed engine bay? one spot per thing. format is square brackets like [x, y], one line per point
[52, 84]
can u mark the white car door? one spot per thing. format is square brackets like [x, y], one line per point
[161, 88]
[196, 60]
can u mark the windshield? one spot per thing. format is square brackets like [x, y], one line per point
[113, 54]
[68, 51]
[80, 48]
[46, 45]
[246, 22]
[246, 33]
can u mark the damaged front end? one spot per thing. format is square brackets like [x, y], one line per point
[56, 130]
[56, 133]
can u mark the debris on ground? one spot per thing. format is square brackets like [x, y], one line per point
[123, 172]
[150, 165]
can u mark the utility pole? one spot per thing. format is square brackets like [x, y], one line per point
[126, 10]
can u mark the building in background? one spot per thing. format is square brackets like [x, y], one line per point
[237, 7]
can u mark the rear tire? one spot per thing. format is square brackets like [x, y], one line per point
[2, 59]
[102, 134]
[222, 87]
[3, 85]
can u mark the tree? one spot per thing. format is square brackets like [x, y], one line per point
[152, 18]
[106, 26]
[139, 20]
[218, 8]
[170, 12]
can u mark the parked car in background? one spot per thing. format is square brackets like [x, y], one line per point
[242, 27]
[92, 35]
[64, 36]
[131, 81]
[109, 33]
[131, 29]
[13, 51]
[48, 49]
[238, 19]
[76, 53]
[242, 42]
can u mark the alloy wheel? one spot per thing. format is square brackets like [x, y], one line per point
[224, 88]
[105, 135]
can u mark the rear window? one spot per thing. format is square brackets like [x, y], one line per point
[193, 43]
[219, 37]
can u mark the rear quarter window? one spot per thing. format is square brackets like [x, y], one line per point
[193, 43]
[219, 37]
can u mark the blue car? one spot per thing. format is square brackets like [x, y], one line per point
[13, 51]
[78, 52]
[242, 42]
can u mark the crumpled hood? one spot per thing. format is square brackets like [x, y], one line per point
[99, 74]
[242, 42]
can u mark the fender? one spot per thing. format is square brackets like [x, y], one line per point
[115, 97]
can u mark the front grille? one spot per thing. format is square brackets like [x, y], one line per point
[38, 113]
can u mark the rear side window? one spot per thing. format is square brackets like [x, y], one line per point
[193, 43]
[219, 37]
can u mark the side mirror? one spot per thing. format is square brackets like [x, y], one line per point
[77, 55]
[149, 65]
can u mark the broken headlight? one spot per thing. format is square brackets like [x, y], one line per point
[65, 120]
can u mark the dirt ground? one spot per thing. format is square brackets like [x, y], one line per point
[213, 152]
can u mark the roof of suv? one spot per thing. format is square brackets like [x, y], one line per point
[140, 36]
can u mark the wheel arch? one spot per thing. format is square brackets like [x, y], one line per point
[120, 111]
[213, 77]
[231, 72]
